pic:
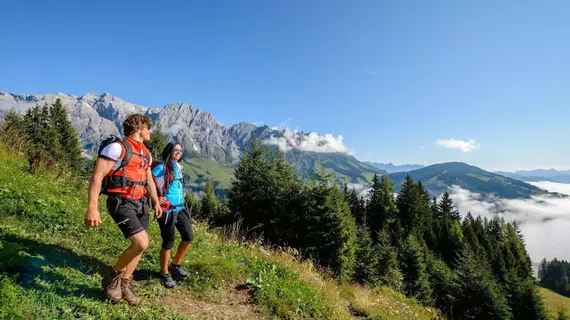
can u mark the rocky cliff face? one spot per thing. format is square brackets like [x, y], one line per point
[96, 116]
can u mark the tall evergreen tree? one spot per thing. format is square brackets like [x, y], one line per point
[266, 195]
[413, 266]
[209, 204]
[388, 272]
[441, 279]
[69, 147]
[476, 293]
[332, 240]
[407, 203]
[382, 207]
[156, 143]
[366, 259]
[13, 131]
[448, 230]
[357, 208]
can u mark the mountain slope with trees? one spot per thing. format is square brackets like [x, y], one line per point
[439, 177]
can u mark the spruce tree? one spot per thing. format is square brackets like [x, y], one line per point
[266, 196]
[441, 280]
[388, 272]
[477, 295]
[407, 203]
[156, 143]
[67, 140]
[413, 266]
[366, 259]
[332, 240]
[13, 131]
[209, 204]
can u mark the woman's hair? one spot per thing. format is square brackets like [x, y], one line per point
[135, 122]
[169, 168]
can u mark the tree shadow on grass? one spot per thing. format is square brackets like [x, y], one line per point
[27, 259]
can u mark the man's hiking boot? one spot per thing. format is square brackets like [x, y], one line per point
[167, 281]
[177, 271]
[128, 293]
[112, 285]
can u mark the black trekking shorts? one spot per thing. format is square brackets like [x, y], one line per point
[180, 220]
[131, 216]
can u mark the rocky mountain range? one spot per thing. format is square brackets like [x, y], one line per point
[95, 116]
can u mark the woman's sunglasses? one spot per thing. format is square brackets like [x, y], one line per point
[177, 150]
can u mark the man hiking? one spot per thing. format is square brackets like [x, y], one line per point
[170, 188]
[122, 172]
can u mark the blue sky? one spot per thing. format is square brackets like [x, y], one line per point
[390, 77]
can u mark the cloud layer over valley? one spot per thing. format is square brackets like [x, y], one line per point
[544, 221]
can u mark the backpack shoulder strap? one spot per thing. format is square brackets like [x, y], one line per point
[128, 153]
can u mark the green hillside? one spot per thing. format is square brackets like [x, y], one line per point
[345, 168]
[439, 177]
[554, 302]
[199, 169]
[51, 266]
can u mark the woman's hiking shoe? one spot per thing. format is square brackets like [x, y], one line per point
[167, 281]
[128, 293]
[177, 271]
[112, 285]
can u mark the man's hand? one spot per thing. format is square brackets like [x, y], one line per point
[157, 211]
[161, 200]
[92, 218]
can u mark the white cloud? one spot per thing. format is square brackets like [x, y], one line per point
[544, 221]
[361, 190]
[464, 146]
[563, 188]
[313, 141]
[175, 128]
[373, 72]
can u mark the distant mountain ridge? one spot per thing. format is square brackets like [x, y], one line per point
[438, 178]
[95, 116]
[391, 168]
[559, 176]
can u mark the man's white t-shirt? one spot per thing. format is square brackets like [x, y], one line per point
[113, 152]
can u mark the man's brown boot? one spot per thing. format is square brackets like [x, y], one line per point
[128, 293]
[112, 285]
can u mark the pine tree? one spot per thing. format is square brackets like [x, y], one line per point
[382, 207]
[35, 133]
[374, 207]
[357, 209]
[266, 196]
[13, 131]
[332, 237]
[407, 203]
[448, 233]
[156, 143]
[542, 268]
[388, 272]
[366, 259]
[441, 279]
[69, 147]
[413, 266]
[209, 204]
[477, 295]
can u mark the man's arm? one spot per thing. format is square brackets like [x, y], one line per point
[153, 195]
[102, 167]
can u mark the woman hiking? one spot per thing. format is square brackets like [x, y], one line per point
[170, 189]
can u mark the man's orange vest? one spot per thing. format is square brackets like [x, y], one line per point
[129, 180]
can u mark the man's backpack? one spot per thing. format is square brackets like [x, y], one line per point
[126, 158]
